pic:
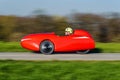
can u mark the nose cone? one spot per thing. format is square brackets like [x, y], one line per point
[25, 42]
[29, 44]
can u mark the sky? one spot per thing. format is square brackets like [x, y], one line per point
[57, 7]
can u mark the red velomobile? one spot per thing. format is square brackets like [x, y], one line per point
[48, 43]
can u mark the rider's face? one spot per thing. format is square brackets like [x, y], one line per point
[67, 33]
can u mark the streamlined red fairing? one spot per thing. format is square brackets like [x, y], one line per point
[50, 42]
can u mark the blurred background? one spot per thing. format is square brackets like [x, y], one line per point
[101, 18]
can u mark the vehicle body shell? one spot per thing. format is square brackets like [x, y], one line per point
[79, 40]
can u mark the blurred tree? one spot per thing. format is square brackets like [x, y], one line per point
[7, 25]
[60, 24]
[103, 29]
[103, 35]
[38, 12]
[114, 29]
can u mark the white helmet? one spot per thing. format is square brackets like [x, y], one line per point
[70, 30]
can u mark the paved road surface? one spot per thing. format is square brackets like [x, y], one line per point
[33, 56]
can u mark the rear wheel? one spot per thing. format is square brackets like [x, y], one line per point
[46, 47]
[83, 51]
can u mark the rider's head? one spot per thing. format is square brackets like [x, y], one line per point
[68, 31]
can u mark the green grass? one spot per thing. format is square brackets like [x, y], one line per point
[108, 47]
[59, 70]
[100, 47]
[11, 47]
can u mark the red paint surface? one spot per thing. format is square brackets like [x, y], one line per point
[79, 40]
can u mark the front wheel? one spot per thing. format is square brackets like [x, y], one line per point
[83, 51]
[46, 47]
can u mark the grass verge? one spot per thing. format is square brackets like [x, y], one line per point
[108, 47]
[11, 47]
[59, 70]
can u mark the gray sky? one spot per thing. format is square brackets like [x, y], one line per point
[58, 7]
